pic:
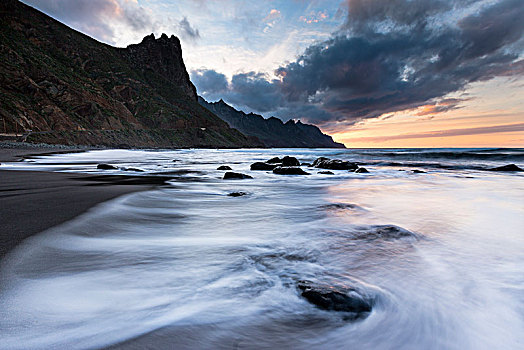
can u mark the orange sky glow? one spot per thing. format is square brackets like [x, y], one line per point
[492, 115]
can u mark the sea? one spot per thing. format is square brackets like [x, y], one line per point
[186, 266]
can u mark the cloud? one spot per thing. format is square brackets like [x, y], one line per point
[271, 19]
[209, 81]
[113, 21]
[391, 56]
[187, 32]
[446, 133]
[314, 17]
[98, 17]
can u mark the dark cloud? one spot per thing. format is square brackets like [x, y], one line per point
[209, 82]
[391, 56]
[186, 31]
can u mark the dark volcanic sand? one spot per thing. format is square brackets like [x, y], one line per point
[33, 201]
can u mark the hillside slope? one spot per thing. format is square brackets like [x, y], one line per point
[272, 131]
[68, 88]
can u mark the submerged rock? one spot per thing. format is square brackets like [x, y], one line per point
[362, 171]
[416, 171]
[224, 167]
[106, 167]
[326, 172]
[387, 232]
[334, 164]
[274, 160]
[287, 170]
[262, 166]
[237, 194]
[335, 299]
[509, 167]
[235, 176]
[290, 161]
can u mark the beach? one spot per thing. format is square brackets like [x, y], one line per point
[33, 201]
[163, 252]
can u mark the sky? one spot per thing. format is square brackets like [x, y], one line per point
[371, 73]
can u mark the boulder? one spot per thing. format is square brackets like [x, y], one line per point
[335, 299]
[237, 194]
[509, 167]
[274, 160]
[262, 166]
[106, 167]
[235, 176]
[334, 164]
[362, 171]
[288, 170]
[224, 167]
[383, 232]
[326, 172]
[290, 161]
[416, 171]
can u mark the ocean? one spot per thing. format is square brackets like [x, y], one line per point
[186, 266]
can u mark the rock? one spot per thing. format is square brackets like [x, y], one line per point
[133, 169]
[326, 172]
[334, 164]
[290, 161]
[386, 232]
[231, 175]
[362, 171]
[106, 167]
[287, 170]
[237, 194]
[509, 167]
[262, 166]
[415, 171]
[305, 164]
[335, 299]
[224, 167]
[274, 160]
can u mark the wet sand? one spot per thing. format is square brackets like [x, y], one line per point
[32, 201]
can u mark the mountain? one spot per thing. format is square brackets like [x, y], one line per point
[272, 131]
[61, 86]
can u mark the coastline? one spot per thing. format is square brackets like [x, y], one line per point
[34, 201]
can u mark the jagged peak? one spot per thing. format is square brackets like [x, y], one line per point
[164, 38]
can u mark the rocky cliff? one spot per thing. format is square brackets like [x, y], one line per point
[272, 131]
[66, 87]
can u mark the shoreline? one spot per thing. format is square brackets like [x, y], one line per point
[34, 201]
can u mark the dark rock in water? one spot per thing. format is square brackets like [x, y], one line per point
[335, 299]
[133, 169]
[305, 164]
[387, 232]
[509, 167]
[415, 171]
[224, 167]
[287, 170]
[341, 206]
[232, 175]
[106, 167]
[274, 160]
[334, 164]
[237, 194]
[326, 172]
[290, 161]
[262, 166]
[176, 160]
[362, 171]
